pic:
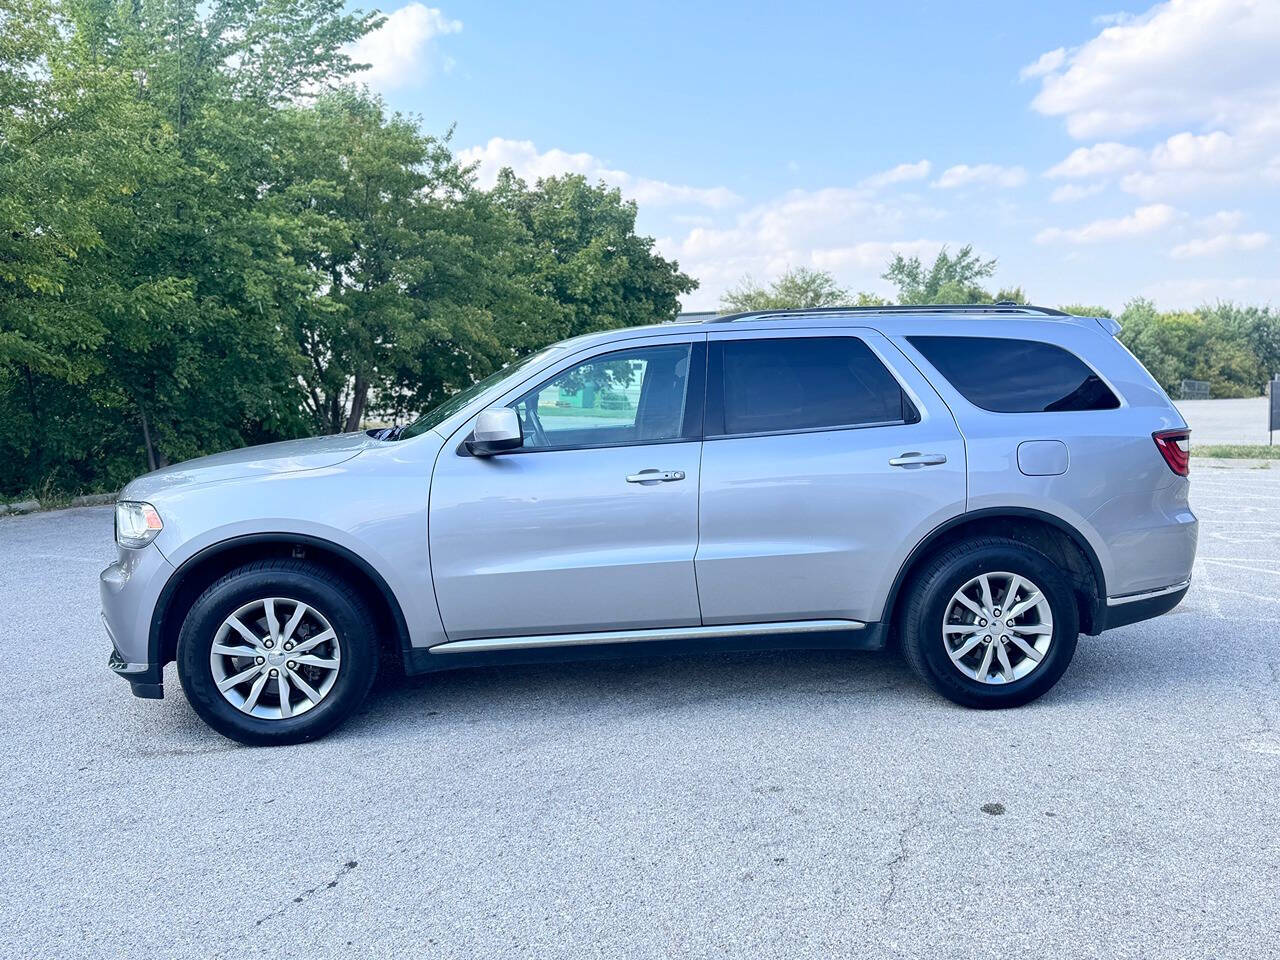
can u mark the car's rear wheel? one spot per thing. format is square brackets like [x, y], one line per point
[990, 623]
[277, 652]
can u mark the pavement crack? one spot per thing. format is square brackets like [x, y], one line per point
[894, 866]
[307, 894]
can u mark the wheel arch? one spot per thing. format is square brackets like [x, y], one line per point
[199, 570]
[1052, 535]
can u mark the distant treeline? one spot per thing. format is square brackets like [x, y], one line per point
[1236, 349]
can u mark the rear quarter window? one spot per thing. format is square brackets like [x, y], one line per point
[1016, 376]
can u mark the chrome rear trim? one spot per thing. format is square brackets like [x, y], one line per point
[1148, 594]
[639, 636]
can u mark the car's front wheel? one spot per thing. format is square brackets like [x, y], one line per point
[990, 623]
[275, 652]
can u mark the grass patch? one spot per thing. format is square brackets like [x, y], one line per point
[1237, 451]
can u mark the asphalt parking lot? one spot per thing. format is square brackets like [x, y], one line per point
[779, 805]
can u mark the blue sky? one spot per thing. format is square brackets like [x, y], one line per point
[1099, 153]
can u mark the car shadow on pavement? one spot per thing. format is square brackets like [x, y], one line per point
[637, 686]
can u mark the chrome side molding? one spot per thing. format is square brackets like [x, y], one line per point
[1148, 594]
[638, 636]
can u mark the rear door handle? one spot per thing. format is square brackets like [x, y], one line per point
[656, 476]
[918, 460]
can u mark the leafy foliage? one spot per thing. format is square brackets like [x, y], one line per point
[797, 288]
[210, 237]
[1233, 348]
[951, 279]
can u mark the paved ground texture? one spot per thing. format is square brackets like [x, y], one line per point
[799, 805]
[1226, 421]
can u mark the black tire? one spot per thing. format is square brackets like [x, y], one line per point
[301, 580]
[930, 593]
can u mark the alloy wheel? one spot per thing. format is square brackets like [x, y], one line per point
[997, 628]
[275, 658]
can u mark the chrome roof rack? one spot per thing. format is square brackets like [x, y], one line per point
[1004, 307]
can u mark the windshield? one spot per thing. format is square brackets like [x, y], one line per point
[448, 408]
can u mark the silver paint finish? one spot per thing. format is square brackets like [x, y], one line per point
[818, 523]
[792, 526]
[786, 628]
[1043, 458]
[496, 423]
[559, 541]
[129, 588]
[1117, 491]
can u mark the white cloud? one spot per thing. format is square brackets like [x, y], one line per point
[1071, 192]
[1101, 158]
[530, 164]
[1113, 19]
[850, 231]
[1188, 62]
[899, 174]
[1220, 243]
[1044, 64]
[398, 52]
[872, 255]
[1223, 220]
[988, 174]
[1143, 221]
[1217, 150]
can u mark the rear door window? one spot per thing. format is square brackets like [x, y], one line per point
[1016, 376]
[800, 383]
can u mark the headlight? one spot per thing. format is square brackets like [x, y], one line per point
[136, 523]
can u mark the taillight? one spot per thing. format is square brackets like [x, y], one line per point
[1175, 447]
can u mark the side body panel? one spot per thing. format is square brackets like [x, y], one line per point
[1116, 489]
[559, 541]
[817, 524]
[374, 505]
[551, 541]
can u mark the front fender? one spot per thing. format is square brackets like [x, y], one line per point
[372, 508]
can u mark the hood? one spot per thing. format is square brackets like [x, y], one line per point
[289, 456]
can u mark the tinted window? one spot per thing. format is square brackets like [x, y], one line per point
[628, 396]
[1016, 376]
[804, 384]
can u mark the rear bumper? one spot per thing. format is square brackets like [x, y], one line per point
[1122, 611]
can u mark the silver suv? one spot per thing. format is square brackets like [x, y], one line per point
[985, 483]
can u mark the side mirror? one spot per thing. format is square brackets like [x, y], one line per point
[497, 429]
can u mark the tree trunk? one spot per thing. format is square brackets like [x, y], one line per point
[155, 459]
[36, 432]
[358, 395]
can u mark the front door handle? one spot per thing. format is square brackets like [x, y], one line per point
[918, 460]
[656, 476]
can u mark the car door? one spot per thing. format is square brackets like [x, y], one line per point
[592, 524]
[827, 458]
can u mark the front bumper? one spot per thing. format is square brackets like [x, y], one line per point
[129, 588]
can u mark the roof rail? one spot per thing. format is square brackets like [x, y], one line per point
[1004, 307]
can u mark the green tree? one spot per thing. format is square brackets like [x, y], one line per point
[359, 182]
[798, 288]
[951, 279]
[1207, 344]
[143, 277]
[1084, 310]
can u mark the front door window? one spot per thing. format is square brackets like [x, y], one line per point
[631, 396]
